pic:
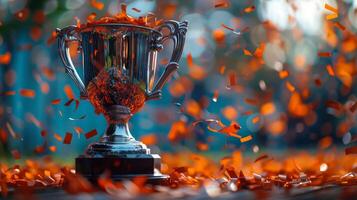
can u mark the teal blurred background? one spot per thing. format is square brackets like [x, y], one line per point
[292, 32]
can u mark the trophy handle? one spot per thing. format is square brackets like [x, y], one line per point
[177, 33]
[65, 36]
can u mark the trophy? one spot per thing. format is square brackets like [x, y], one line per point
[127, 53]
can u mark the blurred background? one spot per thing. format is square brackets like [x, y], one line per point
[282, 69]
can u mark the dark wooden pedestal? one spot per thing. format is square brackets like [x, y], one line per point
[123, 167]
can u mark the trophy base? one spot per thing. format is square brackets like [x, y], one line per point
[123, 167]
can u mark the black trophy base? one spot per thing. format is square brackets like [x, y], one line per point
[123, 167]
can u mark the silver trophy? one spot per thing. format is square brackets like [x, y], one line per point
[132, 50]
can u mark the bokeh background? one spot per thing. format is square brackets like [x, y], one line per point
[283, 69]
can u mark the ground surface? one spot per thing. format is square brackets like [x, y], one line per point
[326, 193]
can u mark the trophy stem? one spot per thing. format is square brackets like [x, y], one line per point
[119, 153]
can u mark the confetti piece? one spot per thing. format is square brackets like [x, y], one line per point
[251, 101]
[351, 150]
[91, 17]
[289, 86]
[136, 10]
[5, 58]
[333, 104]
[97, 4]
[330, 70]
[249, 9]
[246, 139]
[43, 133]
[27, 93]
[78, 130]
[340, 26]
[262, 157]
[57, 137]
[69, 92]
[219, 36]
[227, 27]
[9, 93]
[11, 130]
[190, 60]
[331, 16]
[256, 119]
[16, 154]
[353, 108]
[324, 54]
[283, 74]
[215, 96]
[222, 5]
[56, 101]
[52, 149]
[149, 139]
[232, 79]
[31, 118]
[222, 69]
[91, 133]
[67, 138]
[331, 8]
[247, 53]
[77, 118]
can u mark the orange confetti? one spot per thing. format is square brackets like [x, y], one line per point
[331, 16]
[340, 26]
[9, 93]
[97, 4]
[330, 70]
[218, 35]
[222, 5]
[283, 74]
[91, 17]
[178, 130]
[289, 86]
[149, 139]
[246, 139]
[247, 53]
[67, 138]
[331, 8]
[190, 60]
[249, 9]
[325, 142]
[267, 108]
[230, 130]
[222, 69]
[351, 150]
[5, 58]
[324, 54]
[57, 137]
[255, 119]
[55, 101]
[52, 148]
[69, 92]
[91, 133]
[230, 113]
[78, 130]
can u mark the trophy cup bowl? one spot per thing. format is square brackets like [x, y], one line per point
[130, 52]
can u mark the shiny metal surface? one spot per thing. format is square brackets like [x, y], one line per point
[131, 49]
